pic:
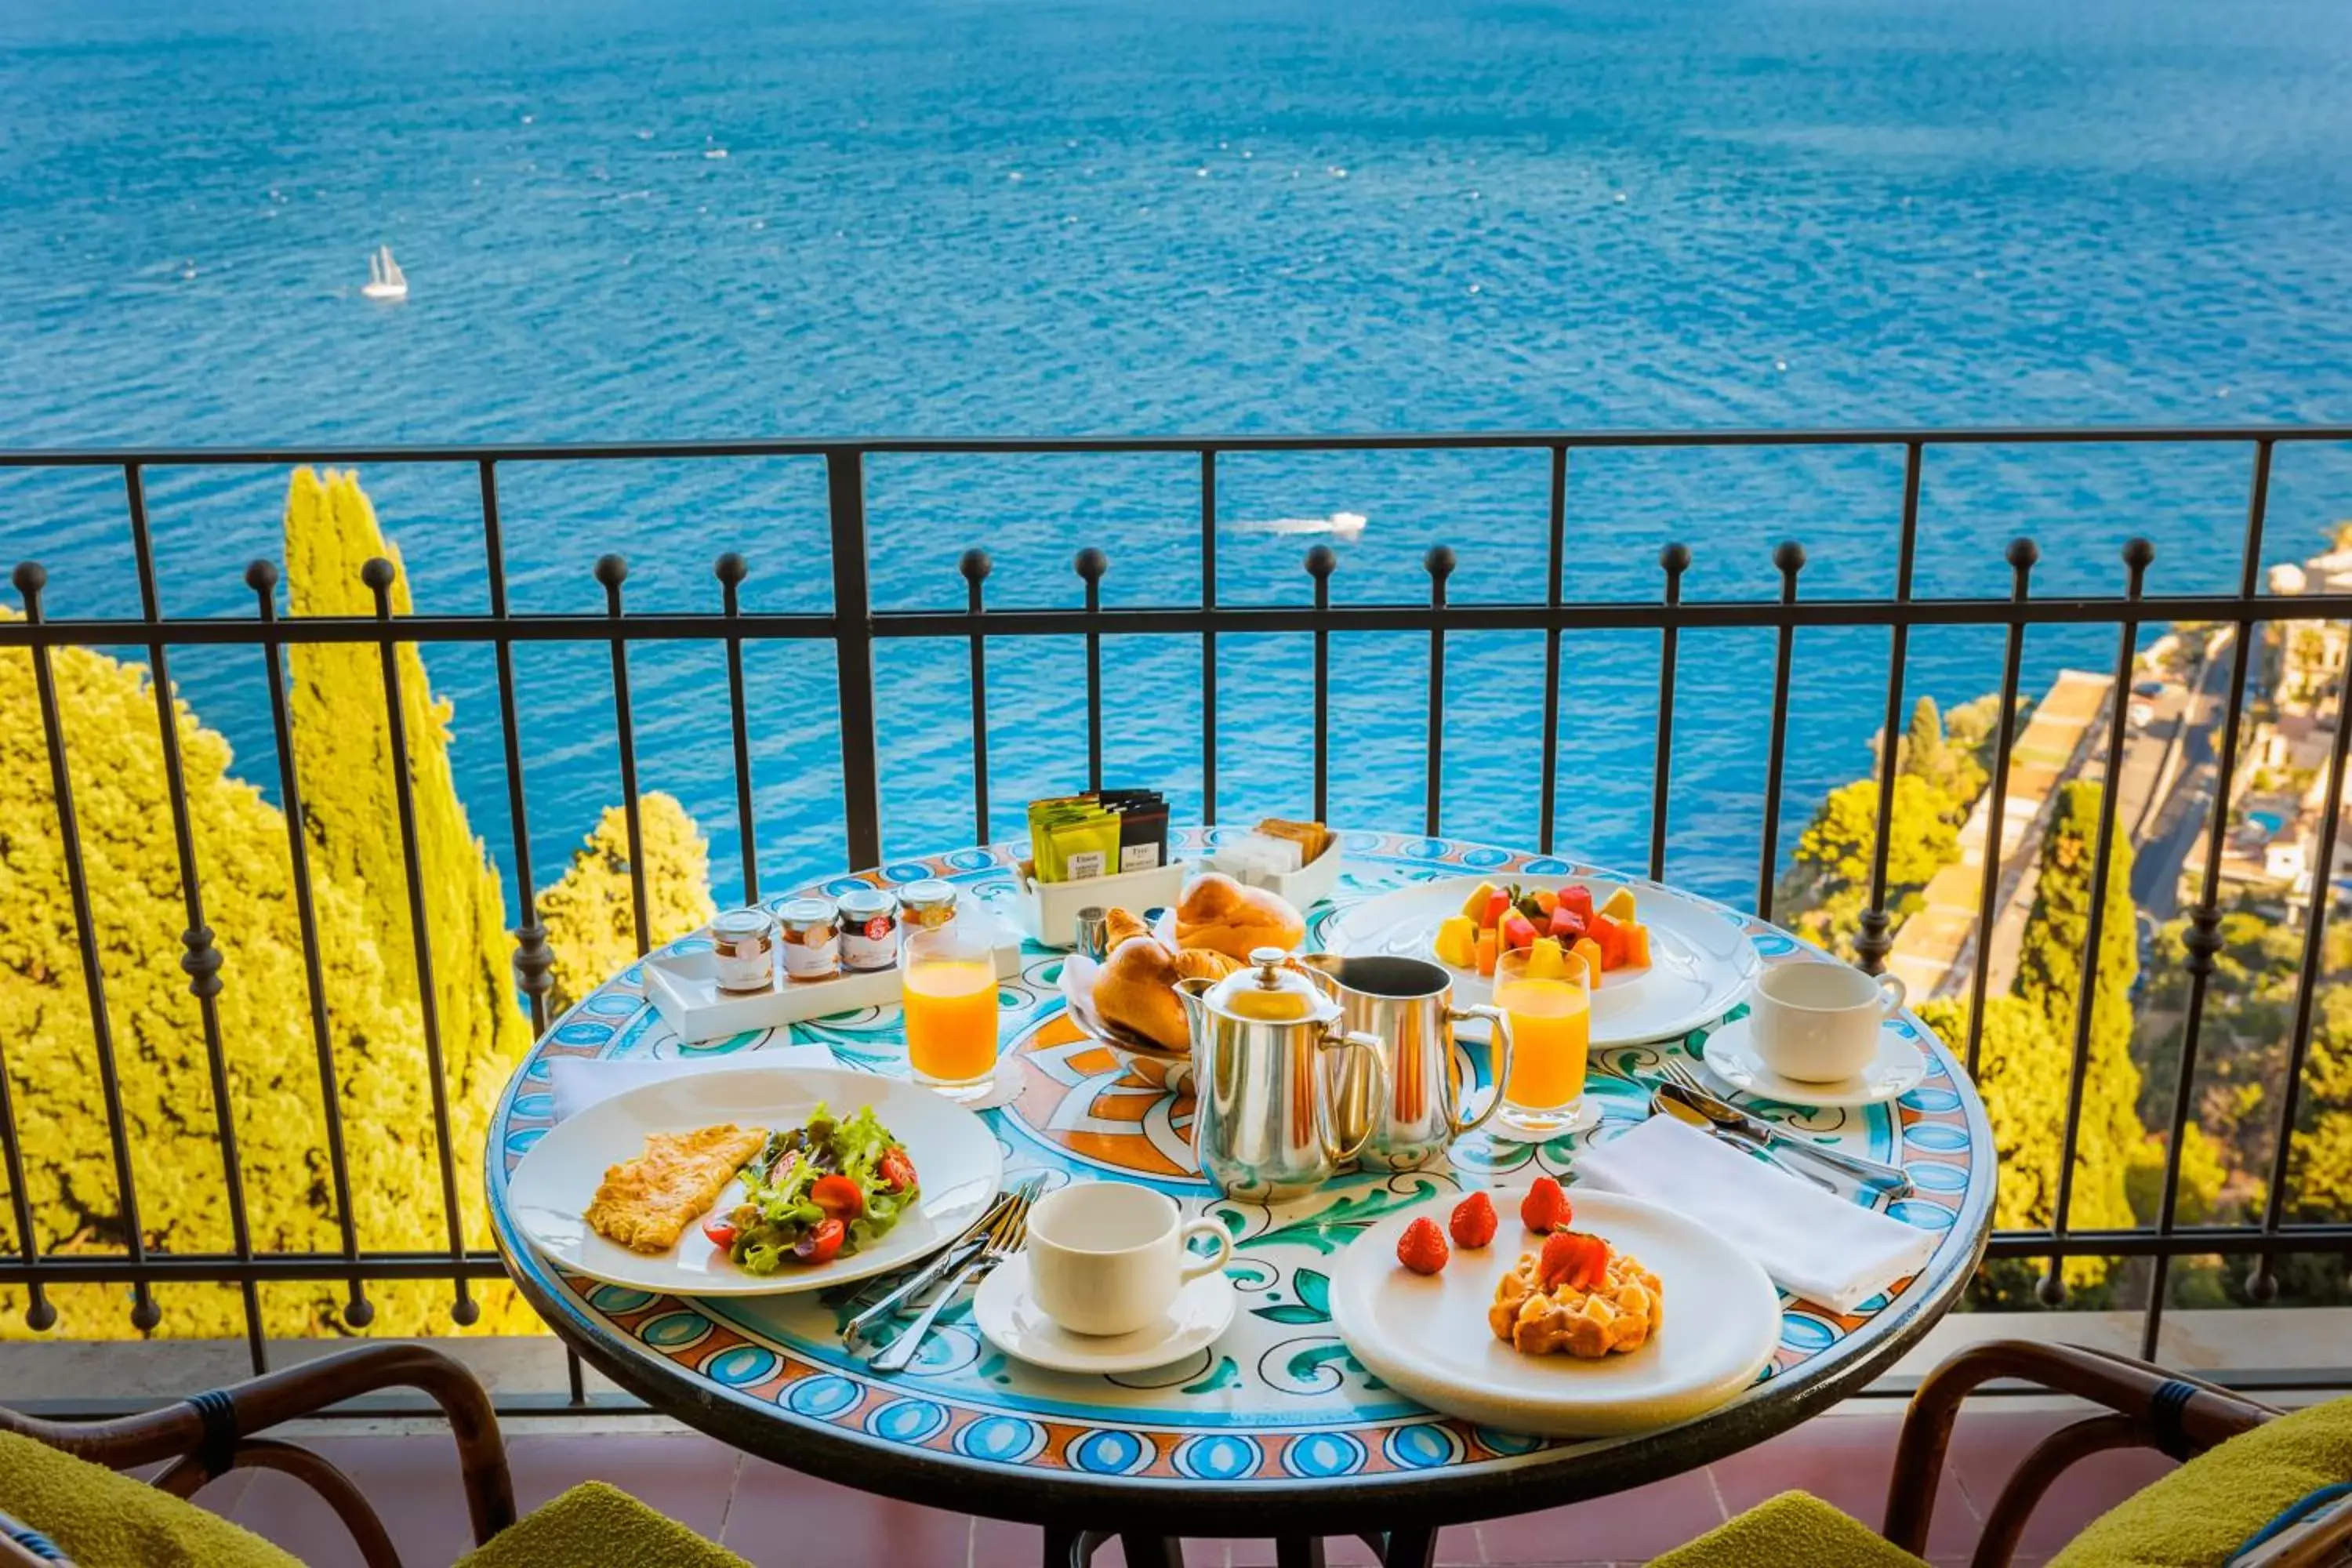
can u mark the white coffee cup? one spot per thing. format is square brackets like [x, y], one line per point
[1109, 1257]
[1817, 1023]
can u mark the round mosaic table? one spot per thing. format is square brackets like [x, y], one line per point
[1274, 1430]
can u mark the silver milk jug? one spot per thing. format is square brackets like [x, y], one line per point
[1414, 1105]
[1266, 1120]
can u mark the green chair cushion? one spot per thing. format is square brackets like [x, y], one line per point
[1795, 1529]
[601, 1524]
[100, 1520]
[2200, 1514]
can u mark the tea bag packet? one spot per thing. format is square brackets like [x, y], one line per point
[1086, 845]
[1142, 828]
[1044, 816]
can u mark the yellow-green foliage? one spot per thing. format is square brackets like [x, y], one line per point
[590, 914]
[359, 882]
[343, 753]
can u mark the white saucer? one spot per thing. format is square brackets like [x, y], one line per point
[1012, 1321]
[1899, 1068]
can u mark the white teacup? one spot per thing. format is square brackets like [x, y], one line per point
[1817, 1023]
[1109, 1257]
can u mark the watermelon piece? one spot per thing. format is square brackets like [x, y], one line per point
[1566, 924]
[1497, 905]
[1518, 932]
[1578, 897]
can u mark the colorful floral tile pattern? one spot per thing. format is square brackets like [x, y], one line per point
[1279, 1397]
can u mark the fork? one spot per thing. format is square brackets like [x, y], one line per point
[1004, 1239]
[1679, 1072]
[963, 1249]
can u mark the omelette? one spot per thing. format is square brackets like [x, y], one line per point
[646, 1204]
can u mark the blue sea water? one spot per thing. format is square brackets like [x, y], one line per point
[990, 216]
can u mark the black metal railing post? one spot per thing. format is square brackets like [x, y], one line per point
[731, 569]
[1209, 638]
[262, 578]
[611, 571]
[1673, 560]
[1555, 570]
[30, 579]
[1789, 557]
[533, 964]
[2023, 554]
[1439, 564]
[1874, 940]
[853, 641]
[1322, 561]
[1091, 564]
[975, 566]
[379, 574]
[2202, 939]
[2137, 553]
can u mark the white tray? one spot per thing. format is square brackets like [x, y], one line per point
[1303, 889]
[684, 988]
[1049, 910]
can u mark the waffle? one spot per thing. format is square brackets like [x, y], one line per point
[1588, 1324]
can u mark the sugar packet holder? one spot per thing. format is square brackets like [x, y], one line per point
[1310, 884]
[1048, 911]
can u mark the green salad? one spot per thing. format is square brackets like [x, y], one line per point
[817, 1193]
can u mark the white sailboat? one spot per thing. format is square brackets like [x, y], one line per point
[386, 279]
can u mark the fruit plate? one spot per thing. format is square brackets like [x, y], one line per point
[956, 1159]
[1700, 958]
[1426, 1336]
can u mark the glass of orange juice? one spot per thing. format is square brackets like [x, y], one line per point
[950, 982]
[1550, 1009]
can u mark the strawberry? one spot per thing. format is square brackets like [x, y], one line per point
[1422, 1247]
[1563, 1254]
[1545, 1208]
[1474, 1222]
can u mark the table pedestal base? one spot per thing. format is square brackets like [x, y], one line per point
[1412, 1547]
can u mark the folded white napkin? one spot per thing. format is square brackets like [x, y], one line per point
[579, 1082]
[1814, 1245]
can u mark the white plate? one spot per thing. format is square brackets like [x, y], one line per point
[955, 1155]
[1899, 1068]
[1426, 1336]
[1014, 1322]
[1700, 958]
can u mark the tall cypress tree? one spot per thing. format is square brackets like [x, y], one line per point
[344, 753]
[591, 912]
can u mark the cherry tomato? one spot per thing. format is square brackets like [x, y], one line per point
[721, 1230]
[897, 1171]
[822, 1242]
[839, 1196]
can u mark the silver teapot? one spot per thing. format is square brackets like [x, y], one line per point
[1267, 1118]
[1406, 1006]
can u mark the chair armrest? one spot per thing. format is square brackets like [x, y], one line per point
[208, 1429]
[2178, 1414]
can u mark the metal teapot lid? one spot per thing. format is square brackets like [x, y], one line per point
[1268, 991]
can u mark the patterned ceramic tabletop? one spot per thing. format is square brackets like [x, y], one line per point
[1278, 1399]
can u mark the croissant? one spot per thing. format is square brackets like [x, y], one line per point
[1120, 924]
[1137, 990]
[1218, 912]
[1204, 963]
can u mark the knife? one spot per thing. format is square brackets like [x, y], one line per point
[1660, 1106]
[1726, 1115]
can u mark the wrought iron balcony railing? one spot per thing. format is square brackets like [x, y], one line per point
[852, 628]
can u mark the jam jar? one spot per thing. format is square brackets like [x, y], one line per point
[869, 928]
[812, 945]
[928, 905]
[743, 950]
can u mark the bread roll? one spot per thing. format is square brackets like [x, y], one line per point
[1137, 990]
[1218, 913]
[1204, 963]
[1120, 924]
